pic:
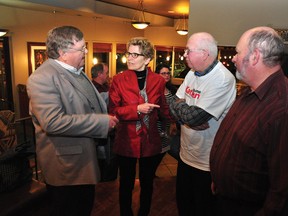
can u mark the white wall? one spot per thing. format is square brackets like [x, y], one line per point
[227, 20]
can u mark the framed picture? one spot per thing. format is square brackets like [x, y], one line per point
[36, 55]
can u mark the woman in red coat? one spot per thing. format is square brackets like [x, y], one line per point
[136, 97]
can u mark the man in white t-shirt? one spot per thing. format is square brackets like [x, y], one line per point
[200, 104]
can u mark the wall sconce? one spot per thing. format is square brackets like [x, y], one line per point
[182, 27]
[138, 20]
[3, 32]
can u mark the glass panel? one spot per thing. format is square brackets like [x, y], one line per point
[101, 53]
[6, 96]
[163, 57]
[120, 58]
[225, 55]
[100, 58]
[180, 69]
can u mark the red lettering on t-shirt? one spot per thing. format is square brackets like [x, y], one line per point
[192, 92]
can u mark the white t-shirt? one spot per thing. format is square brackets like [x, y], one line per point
[214, 92]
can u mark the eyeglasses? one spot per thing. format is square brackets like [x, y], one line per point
[134, 55]
[166, 73]
[83, 49]
[187, 51]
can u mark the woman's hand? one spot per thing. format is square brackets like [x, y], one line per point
[146, 108]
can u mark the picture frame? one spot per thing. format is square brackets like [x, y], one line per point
[36, 55]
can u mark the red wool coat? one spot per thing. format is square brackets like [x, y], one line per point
[124, 97]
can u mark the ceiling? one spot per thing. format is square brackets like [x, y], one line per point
[157, 12]
[168, 8]
[225, 19]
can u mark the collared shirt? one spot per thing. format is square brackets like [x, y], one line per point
[249, 157]
[207, 70]
[70, 68]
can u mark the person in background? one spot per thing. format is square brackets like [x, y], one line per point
[136, 98]
[99, 73]
[69, 115]
[200, 104]
[248, 159]
[166, 128]
[107, 160]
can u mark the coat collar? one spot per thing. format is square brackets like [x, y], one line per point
[69, 77]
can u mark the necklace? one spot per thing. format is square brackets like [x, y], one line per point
[141, 77]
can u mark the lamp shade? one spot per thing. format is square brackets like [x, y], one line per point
[138, 20]
[182, 28]
[139, 25]
[3, 32]
[182, 31]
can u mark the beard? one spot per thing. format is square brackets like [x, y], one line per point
[240, 74]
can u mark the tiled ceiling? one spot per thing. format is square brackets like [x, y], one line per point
[167, 8]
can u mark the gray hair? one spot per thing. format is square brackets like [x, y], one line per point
[61, 38]
[269, 43]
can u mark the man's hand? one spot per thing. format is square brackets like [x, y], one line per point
[113, 121]
[213, 188]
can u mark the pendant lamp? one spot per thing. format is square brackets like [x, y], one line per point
[3, 32]
[182, 27]
[138, 20]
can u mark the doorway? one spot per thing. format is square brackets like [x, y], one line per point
[6, 95]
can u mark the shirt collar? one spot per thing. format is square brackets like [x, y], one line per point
[70, 68]
[266, 85]
[207, 70]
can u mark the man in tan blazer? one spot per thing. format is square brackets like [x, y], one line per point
[69, 116]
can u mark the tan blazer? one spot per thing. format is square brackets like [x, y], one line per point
[66, 124]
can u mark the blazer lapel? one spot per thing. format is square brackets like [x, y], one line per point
[68, 76]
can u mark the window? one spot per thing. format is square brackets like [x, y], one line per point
[180, 68]
[164, 55]
[225, 55]
[121, 58]
[101, 53]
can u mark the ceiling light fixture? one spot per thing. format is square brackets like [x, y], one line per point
[138, 20]
[3, 32]
[182, 27]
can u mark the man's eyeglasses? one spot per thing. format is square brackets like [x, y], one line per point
[134, 55]
[187, 51]
[83, 49]
[166, 73]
